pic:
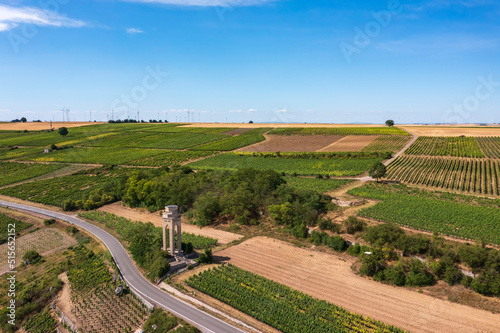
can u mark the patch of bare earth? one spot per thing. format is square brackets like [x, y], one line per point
[117, 208]
[351, 143]
[63, 301]
[452, 130]
[329, 277]
[291, 143]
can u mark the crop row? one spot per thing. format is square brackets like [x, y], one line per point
[56, 190]
[393, 143]
[300, 166]
[425, 210]
[470, 175]
[40, 323]
[232, 143]
[123, 226]
[5, 220]
[14, 152]
[16, 172]
[171, 158]
[281, 307]
[456, 146]
[490, 146]
[88, 270]
[339, 131]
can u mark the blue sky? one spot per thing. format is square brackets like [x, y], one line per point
[261, 60]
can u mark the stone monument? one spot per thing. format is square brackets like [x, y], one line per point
[172, 221]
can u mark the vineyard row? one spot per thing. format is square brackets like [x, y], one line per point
[462, 174]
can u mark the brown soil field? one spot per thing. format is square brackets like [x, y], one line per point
[329, 277]
[351, 143]
[452, 130]
[117, 208]
[275, 125]
[289, 143]
[41, 126]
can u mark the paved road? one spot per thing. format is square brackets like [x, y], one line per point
[135, 280]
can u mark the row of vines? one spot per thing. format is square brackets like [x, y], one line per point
[281, 307]
[462, 174]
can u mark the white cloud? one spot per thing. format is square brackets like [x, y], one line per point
[282, 111]
[236, 111]
[252, 110]
[134, 31]
[309, 110]
[208, 3]
[11, 17]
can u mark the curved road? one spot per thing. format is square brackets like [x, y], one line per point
[135, 280]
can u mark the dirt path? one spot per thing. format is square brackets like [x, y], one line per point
[117, 208]
[63, 301]
[330, 278]
[399, 153]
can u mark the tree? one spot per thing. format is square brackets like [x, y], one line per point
[32, 257]
[63, 131]
[377, 171]
[389, 123]
[23, 119]
[250, 122]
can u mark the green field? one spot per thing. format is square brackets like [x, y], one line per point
[13, 153]
[171, 158]
[283, 308]
[55, 191]
[392, 143]
[245, 139]
[445, 146]
[450, 214]
[461, 174]
[317, 185]
[5, 220]
[308, 166]
[339, 131]
[16, 172]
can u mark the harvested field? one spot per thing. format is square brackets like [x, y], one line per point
[351, 143]
[40, 126]
[118, 209]
[275, 143]
[329, 277]
[466, 130]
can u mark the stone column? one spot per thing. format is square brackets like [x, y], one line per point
[172, 220]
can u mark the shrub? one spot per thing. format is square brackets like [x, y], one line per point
[49, 222]
[353, 225]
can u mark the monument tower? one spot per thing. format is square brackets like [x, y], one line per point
[172, 221]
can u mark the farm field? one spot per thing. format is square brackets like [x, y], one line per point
[450, 214]
[330, 278]
[275, 143]
[35, 126]
[331, 167]
[452, 130]
[490, 146]
[5, 220]
[118, 209]
[14, 153]
[278, 305]
[318, 185]
[445, 146]
[245, 138]
[44, 241]
[171, 158]
[480, 176]
[55, 190]
[350, 143]
[339, 131]
[16, 172]
[392, 143]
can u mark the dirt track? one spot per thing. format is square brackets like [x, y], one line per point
[223, 237]
[351, 143]
[330, 277]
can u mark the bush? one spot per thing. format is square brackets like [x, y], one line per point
[32, 257]
[384, 233]
[206, 257]
[418, 275]
[353, 225]
[337, 243]
[63, 131]
[49, 222]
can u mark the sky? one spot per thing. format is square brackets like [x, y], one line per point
[309, 61]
